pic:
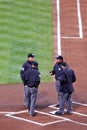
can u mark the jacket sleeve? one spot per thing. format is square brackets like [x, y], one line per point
[73, 77]
[22, 73]
[53, 71]
[37, 81]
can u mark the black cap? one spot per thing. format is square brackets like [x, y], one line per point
[31, 55]
[35, 63]
[64, 64]
[59, 57]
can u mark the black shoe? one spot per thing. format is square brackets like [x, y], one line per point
[28, 108]
[59, 113]
[33, 115]
[69, 113]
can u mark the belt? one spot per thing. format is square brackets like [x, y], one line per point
[31, 86]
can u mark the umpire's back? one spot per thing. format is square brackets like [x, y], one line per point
[32, 75]
[70, 78]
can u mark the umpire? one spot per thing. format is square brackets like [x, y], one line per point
[25, 66]
[32, 78]
[66, 90]
[57, 72]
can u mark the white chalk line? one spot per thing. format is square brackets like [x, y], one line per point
[3, 112]
[79, 23]
[66, 37]
[79, 19]
[13, 115]
[62, 119]
[23, 119]
[77, 113]
[59, 28]
[76, 122]
[79, 103]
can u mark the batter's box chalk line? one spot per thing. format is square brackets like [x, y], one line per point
[77, 113]
[13, 115]
[50, 114]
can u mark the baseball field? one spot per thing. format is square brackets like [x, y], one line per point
[46, 28]
[25, 26]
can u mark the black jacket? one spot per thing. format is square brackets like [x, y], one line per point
[70, 79]
[32, 77]
[57, 70]
[25, 66]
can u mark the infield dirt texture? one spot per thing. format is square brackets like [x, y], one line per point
[70, 39]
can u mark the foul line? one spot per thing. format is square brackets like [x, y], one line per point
[58, 27]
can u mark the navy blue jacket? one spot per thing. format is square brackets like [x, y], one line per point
[32, 77]
[25, 66]
[57, 70]
[70, 79]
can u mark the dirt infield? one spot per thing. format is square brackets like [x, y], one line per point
[13, 114]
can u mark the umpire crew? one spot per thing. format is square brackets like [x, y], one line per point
[25, 66]
[57, 72]
[32, 77]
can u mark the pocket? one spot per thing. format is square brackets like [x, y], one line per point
[34, 90]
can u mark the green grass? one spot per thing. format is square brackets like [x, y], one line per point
[25, 26]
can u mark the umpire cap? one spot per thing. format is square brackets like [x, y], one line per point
[35, 63]
[64, 64]
[59, 57]
[31, 55]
